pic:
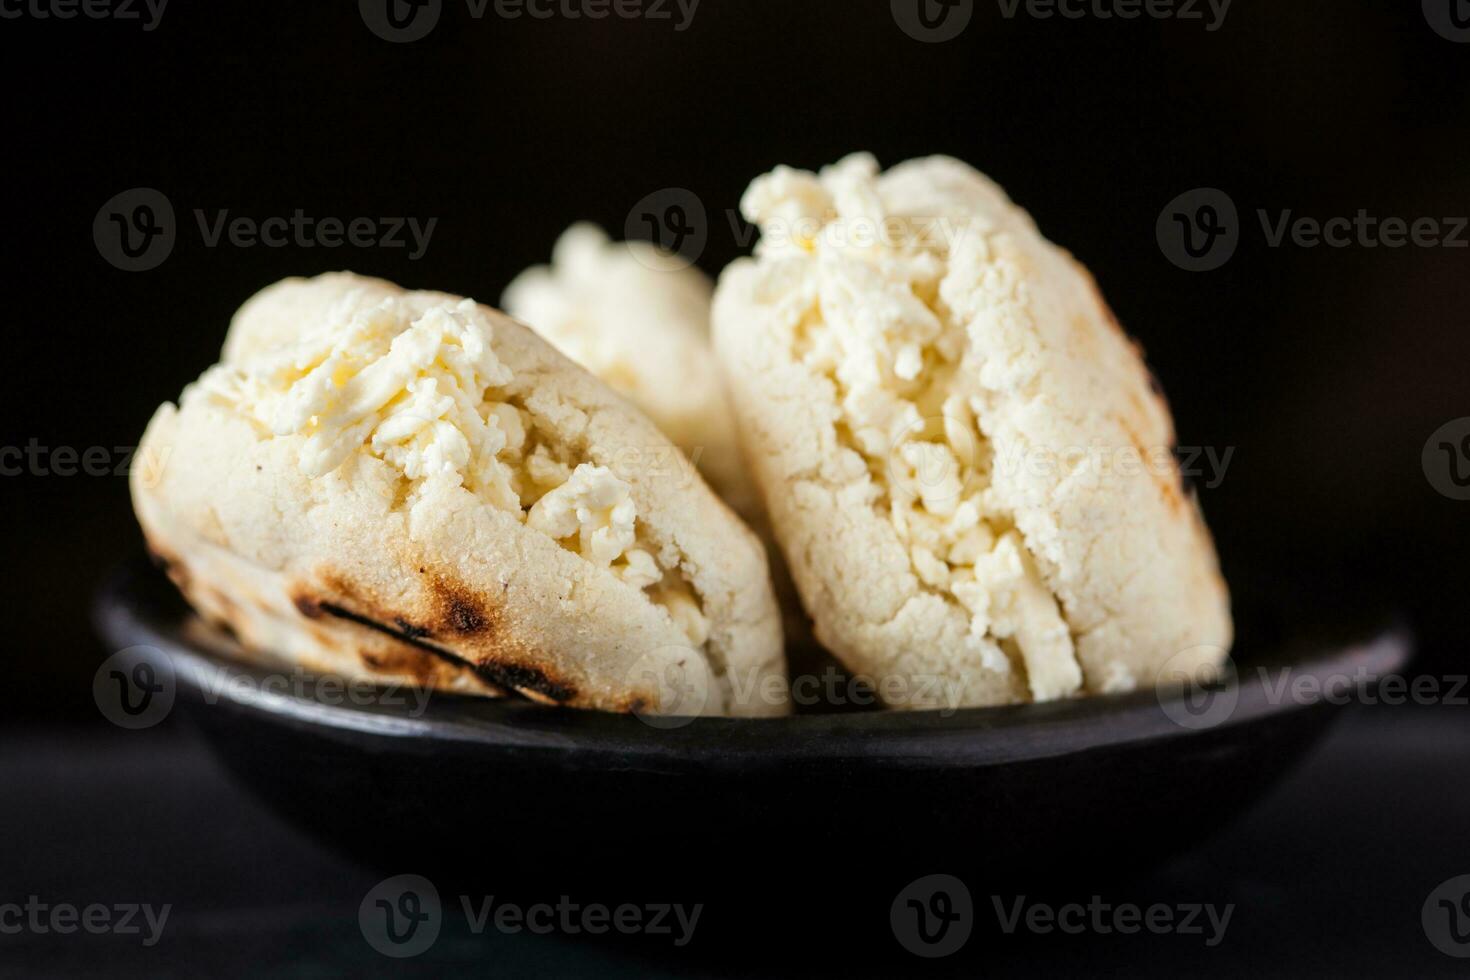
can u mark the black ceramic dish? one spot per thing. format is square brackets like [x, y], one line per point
[507, 796]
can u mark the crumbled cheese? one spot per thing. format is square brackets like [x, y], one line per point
[416, 389]
[595, 506]
[637, 318]
[873, 321]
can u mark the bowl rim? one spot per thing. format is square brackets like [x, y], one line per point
[139, 613]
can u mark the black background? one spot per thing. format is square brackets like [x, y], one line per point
[1325, 369]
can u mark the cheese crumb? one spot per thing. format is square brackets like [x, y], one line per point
[866, 281]
[416, 388]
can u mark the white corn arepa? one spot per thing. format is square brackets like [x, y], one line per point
[967, 463]
[407, 486]
[638, 318]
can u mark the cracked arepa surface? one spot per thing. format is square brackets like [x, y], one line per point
[407, 485]
[638, 318]
[965, 459]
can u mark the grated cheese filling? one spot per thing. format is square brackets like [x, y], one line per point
[422, 390]
[864, 285]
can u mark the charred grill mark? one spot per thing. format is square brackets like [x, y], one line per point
[459, 609]
[465, 618]
[529, 679]
[307, 606]
[409, 630]
[512, 677]
[413, 638]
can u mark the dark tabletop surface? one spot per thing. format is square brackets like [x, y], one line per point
[1328, 876]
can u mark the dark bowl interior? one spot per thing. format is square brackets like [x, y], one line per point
[811, 812]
